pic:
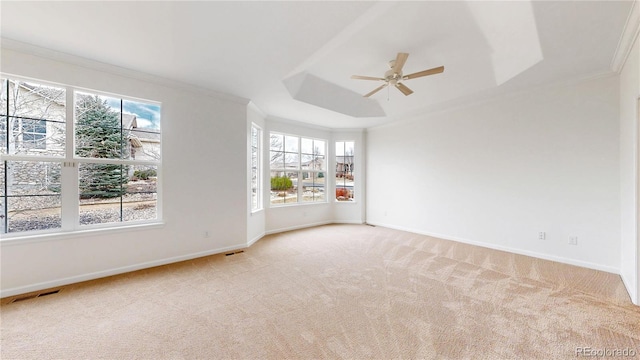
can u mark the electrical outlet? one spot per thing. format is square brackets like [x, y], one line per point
[206, 234]
[573, 240]
[542, 235]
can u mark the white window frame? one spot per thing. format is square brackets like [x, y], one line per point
[255, 172]
[353, 200]
[69, 177]
[300, 171]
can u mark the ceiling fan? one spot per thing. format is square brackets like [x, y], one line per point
[394, 75]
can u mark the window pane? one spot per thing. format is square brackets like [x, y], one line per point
[33, 195]
[254, 137]
[99, 212]
[276, 159]
[255, 168]
[141, 128]
[101, 187]
[318, 147]
[147, 116]
[292, 161]
[254, 188]
[344, 170]
[100, 130]
[277, 142]
[306, 146]
[140, 201]
[4, 146]
[291, 144]
[318, 163]
[284, 187]
[113, 193]
[307, 161]
[35, 118]
[313, 186]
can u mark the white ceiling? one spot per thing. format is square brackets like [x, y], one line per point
[254, 49]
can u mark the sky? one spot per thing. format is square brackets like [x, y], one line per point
[148, 115]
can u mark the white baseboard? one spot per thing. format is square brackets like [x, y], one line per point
[253, 241]
[632, 290]
[111, 272]
[534, 254]
[354, 222]
[275, 231]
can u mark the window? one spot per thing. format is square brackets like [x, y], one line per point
[34, 117]
[34, 133]
[256, 168]
[39, 170]
[297, 169]
[344, 170]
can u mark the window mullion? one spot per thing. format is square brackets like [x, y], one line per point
[69, 197]
[69, 171]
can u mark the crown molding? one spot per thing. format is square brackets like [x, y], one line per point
[628, 38]
[34, 50]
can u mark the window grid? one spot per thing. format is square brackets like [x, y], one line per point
[53, 178]
[297, 169]
[345, 185]
[256, 168]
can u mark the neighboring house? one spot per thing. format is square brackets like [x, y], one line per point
[315, 164]
[35, 121]
[35, 125]
[145, 143]
[344, 166]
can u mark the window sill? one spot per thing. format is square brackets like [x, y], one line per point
[297, 204]
[56, 236]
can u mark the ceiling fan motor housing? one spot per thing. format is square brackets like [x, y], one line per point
[392, 77]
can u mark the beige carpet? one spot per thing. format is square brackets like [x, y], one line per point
[339, 292]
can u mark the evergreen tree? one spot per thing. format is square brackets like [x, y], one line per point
[99, 135]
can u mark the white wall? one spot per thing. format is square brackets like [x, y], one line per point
[629, 92]
[499, 172]
[204, 141]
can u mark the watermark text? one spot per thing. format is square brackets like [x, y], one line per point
[605, 352]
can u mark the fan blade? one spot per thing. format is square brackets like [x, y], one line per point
[376, 90]
[405, 90]
[400, 60]
[358, 77]
[437, 70]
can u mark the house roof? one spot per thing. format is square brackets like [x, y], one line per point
[54, 95]
[146, 134]
[344, 159]
[129, 121]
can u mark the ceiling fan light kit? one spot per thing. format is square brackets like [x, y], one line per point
[394, 75]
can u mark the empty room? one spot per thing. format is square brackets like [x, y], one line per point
[319, 179]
